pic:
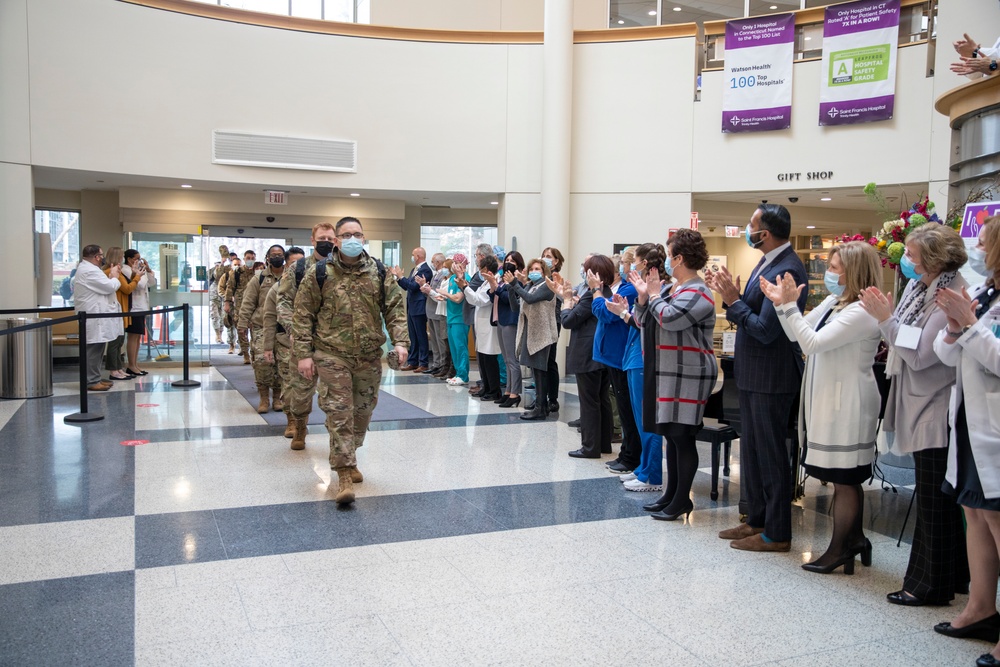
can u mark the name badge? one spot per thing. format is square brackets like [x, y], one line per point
[908, 337]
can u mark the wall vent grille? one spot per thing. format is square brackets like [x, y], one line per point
[258, 150]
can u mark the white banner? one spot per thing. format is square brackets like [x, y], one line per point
[758, 84]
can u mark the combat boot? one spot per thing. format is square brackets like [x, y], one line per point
[299, 433]
[246, 358]
[279, 401]
[345, 494]
[290, 428]
[356, 475]
[265, 399]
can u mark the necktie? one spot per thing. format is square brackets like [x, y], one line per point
[753, 274]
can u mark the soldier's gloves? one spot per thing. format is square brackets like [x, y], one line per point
[393, 360]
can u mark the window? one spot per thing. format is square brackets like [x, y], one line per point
[450, 240]
[63, 228]
[345, 11]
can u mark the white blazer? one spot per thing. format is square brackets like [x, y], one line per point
[976, 356]
[487, 340]
[840, 398]
[94, 292]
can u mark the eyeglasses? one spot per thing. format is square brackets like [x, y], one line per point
[347, 237]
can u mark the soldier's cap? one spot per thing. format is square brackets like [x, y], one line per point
[393, 360]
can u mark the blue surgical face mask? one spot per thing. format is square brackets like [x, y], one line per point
[351, 247]
[583, 273]
[548, 261]
[749, 233]
[535, 276]
[977, 261]
[909, 268]
[635, 266]
[623, 272]
[668, 266]
[832, 282]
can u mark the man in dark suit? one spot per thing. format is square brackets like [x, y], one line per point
[416, 310]
[768, 374]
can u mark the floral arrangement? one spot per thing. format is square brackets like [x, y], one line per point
[890, 240]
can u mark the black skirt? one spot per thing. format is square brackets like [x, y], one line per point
[969, 490]
[847, 476]
[137, 325]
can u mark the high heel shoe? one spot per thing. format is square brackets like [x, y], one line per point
[987, 629]
[847, 561]
[659, 504]
[673, 516]
[864, 549]
[511, 402]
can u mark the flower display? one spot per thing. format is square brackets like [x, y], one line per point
[890, 240]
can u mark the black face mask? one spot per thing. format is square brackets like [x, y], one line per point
[276, 261]
[510, 267]
[324, 248]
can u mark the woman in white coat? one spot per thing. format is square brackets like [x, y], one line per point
[140, 301]
[94, 292]
[840, 398]
[487, 336]
[971, 343]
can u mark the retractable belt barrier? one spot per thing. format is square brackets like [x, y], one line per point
[84, 415]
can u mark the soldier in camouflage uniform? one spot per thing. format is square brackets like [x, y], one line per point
[337, 333]
[297, 391]
[228, 320]
[252, 317]
[214, 298]
[277, 342]
[236, 285]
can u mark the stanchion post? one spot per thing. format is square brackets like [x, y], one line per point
[83, 415]
[187, 381]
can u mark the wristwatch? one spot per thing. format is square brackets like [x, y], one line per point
[623, 315]
[993, 65]
[961, 332]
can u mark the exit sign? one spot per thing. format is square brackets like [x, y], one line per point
[279, 197]
[732, 232]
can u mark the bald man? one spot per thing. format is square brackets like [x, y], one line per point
[416, 310]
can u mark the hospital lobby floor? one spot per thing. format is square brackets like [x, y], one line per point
[182, 530]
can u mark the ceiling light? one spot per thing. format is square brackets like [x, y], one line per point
[773, 7]
[355, 194]
[620, 22]
[185, 185]
[825, 198]
[677, 9]
[810, 226]
[808, 38]
[494, 203]
[652, 12]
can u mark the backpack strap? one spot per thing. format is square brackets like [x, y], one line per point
[300, 271]
[320, 274]
[260, 280]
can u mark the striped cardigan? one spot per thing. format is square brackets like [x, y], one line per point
[680, 326]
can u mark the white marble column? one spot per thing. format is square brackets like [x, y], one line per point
[557, 123]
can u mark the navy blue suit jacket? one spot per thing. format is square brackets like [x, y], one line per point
[416, 301]
[766, 361]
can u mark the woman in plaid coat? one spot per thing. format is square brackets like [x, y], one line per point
[679, 358]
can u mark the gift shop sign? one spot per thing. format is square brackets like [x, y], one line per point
[757, 93]
[860, 40]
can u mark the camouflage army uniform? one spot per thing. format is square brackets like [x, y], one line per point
[236, 286]
[217, 296]
[252, 317]
[340, 328]
[298, 392]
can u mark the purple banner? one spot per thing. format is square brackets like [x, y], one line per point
[856, 111]
[757, 120]
[763, 31]
[975, 215]
[858, 16]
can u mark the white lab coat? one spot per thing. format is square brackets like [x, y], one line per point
[487, 340]
[94, 293]
[140, 295]
[976, 356]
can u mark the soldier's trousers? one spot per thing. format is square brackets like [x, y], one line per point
[215, 311]
[348, 392]
[244, 340]
[296, 390]
[283, 358]
[264, 373]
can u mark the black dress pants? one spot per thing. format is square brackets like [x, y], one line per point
[765, 465]
[552, 378]
[596, 420]
[630, 455]
[490, 367]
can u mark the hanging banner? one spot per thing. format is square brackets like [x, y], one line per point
[859, 62]
[758, 83]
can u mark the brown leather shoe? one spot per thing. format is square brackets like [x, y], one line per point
[739, 532]
[420, 369]
[98, 387]
[407, 367]
[757, 543]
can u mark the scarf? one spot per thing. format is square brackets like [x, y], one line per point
[916, 304]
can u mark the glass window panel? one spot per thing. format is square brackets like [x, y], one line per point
[307, 9]
[632, 13]
[339, 10]
[690, 11]
[269, 6]
[364, 11]
[451, 239]
[809, 41]
[759, 7]
[63, 228]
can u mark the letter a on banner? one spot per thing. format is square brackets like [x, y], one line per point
[859, 62]
[757, 93]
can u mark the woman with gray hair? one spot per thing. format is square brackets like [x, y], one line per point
[916, 413]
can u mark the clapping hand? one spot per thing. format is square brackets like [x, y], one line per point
[971, 66]
[554, 283]
[722, 282]
[784, 290]
[508, 277]
[653, 283]
[491, 278]
[521, 277]
[594, 281]
[960, 308]
[460, 280]
[396, 271]
[617, 305]
[419, 280]
[115, 271]
[965, 46]
[876, 303]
